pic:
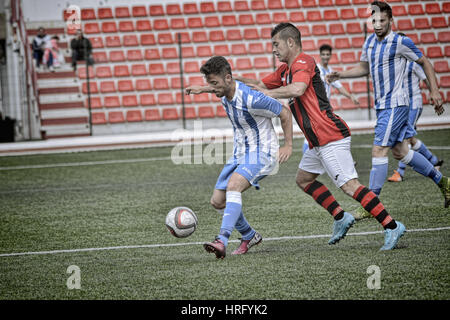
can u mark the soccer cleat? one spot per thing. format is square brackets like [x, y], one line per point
[391, 236]
[396, 177]
[444, 185]
[360, 214]
[217, 247]
[247, 244]
[438, 165]
[340, 227]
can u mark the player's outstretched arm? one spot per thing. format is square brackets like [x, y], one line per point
[347, 94]
[251, 82]
[198, 90]
[286, 124]
[435, 96]
[359, 71]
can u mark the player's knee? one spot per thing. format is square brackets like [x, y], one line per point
[217, 204]
[350, 187]
[301, 182]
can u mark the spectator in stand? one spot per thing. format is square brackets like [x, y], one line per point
[81, 49]
[53, 56]
[39, 44]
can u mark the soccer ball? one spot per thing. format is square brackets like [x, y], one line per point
[181, 222]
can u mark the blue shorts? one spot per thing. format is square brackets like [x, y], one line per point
[252, 167]
[414, 115]
[393, 126]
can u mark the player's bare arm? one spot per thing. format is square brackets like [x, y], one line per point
[199, 90]
[292, 90]
[359, 71]
[347, 94]
[435, 96]
[285, 151]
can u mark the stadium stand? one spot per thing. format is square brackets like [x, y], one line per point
[136, 50]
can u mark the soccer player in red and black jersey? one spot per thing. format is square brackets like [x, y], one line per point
[298, 80]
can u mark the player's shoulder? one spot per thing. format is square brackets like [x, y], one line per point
[303, 61]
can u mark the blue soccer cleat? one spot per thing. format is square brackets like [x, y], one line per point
[391, 236]
[340, 227]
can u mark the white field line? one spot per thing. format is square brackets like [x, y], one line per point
[200, 243]
[138, 160]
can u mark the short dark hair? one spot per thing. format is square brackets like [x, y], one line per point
[401, 34]
[286, 31]
[325, 47]
[383, 6]
[217, 65]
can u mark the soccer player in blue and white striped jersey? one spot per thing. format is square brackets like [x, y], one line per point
[414, 74]
[256, 149]
[384, 56]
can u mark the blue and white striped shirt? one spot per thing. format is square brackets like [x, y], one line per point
[414, 74]
[251, 113]
[323, 72]
[387, 63]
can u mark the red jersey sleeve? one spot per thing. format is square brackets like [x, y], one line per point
[273, 80]
[302, 71]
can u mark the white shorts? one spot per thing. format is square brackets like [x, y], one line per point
[334, 158]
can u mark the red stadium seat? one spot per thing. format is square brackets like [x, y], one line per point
[143, 25]
[83, 75]
[187, 52]
[261, 63]
[152, 115]
[147, 40]
[130, 40]
[122, 12]
[196, 81]
[189, 113]
[170, 114]
[112, 101]
[205, 112]
[434, 52]
[421, 23]
[184, 37]
[238, 49]
[169, 53]
[224, 6]
[326, 3]
[304, 30]
[202, 98]
[309, 3]
[220, 112]
[313, 16]
[207, 7]
[265, 33]
[405, 24]
[432, 8]
[399, 11]
[204, 51]
[212, 22]
[246, 19]
[364, 13]
[291, 4]
[116, 117]
[321, 42]
[221, 50]
[337, 28]
[121, 71]
[240, 5]
[438, 22]
[414, 37]
[134, 55]
[152, 54]
[105, 13]
[138, 70]
[143, 85]
[96, 103]
[191, 67]
[357, 42]
[444, 36]
[428, 37]
[342, 2]
[309, 45]
[156, 10]
[348, 57]
[91, 28]
[216, 35]
[134, 116]
[296, 16]
[229, 20]
[258, 5]
[255, 48]
[109, 27]
[107, 87]
[347, 103]
[175, 83]
[415, 9]
[354, 28]
[330, 15]
[165, 38]
[125, 85]
[445, 82]
[279, 17]
[179, 100]
[441, 66]
[173, 9]
[199, 36]
[342, 43]
[147, 99]
[116, 56]
[156, 69]
[129, 101]
[98, 118]
[194, 23]
[139, 11]
[263, 18]
[447, 51]
[347, 14]
[173, 68]
[243, 64]
[160, 24]
[251, 34]
[97, 42]
[126, 26]
[190, 8]
[100, 57]
[274, 4]
[359, 87]
[233, 34]
[113, 41]
[88, 14]
[161, 84]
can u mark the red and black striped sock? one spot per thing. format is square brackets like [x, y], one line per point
[323, 196]
[371, 203]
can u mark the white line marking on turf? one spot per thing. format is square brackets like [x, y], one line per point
[315, 236]
[138, 160]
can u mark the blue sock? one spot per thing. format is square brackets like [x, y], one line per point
[305, 146]
[421, 165]
[401, 168]
[423, 150]
[244, 228]
[378, 174]
[231, 215]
